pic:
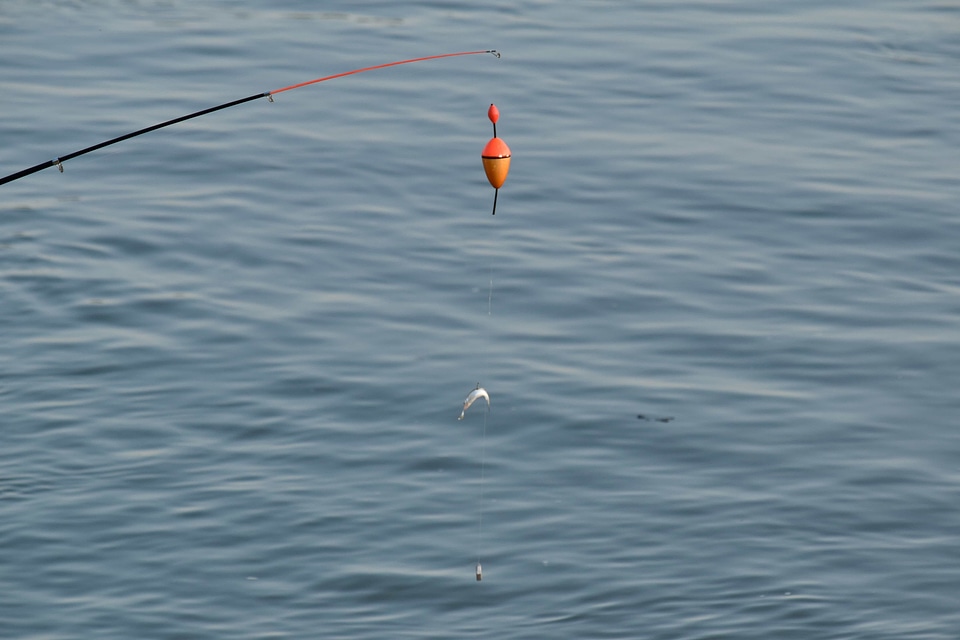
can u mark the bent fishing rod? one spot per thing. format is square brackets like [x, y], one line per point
[58, 162]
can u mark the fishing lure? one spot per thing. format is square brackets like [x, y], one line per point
[479, 392]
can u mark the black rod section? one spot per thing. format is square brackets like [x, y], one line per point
[107, 143]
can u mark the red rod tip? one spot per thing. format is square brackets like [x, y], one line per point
[493, 113]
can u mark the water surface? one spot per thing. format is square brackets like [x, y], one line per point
[234, 350]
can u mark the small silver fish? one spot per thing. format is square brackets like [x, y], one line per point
[479, 392]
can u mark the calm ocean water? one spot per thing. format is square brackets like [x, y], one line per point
[716, 313]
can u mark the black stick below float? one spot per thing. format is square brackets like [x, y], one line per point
[58, 162]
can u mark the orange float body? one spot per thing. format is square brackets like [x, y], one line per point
[496, 162]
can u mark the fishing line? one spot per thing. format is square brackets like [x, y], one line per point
[58, 162]
[490, 296]
[490, 273]
[483, 461]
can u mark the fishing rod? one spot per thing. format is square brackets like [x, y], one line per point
[58, 162]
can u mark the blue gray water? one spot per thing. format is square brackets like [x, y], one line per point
[234, 351]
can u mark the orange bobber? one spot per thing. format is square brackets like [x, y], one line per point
[496, 157]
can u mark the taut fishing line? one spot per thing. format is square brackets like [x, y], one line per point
[483, 462]
[58, 162]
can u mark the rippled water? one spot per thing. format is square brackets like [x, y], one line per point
[716, 313]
